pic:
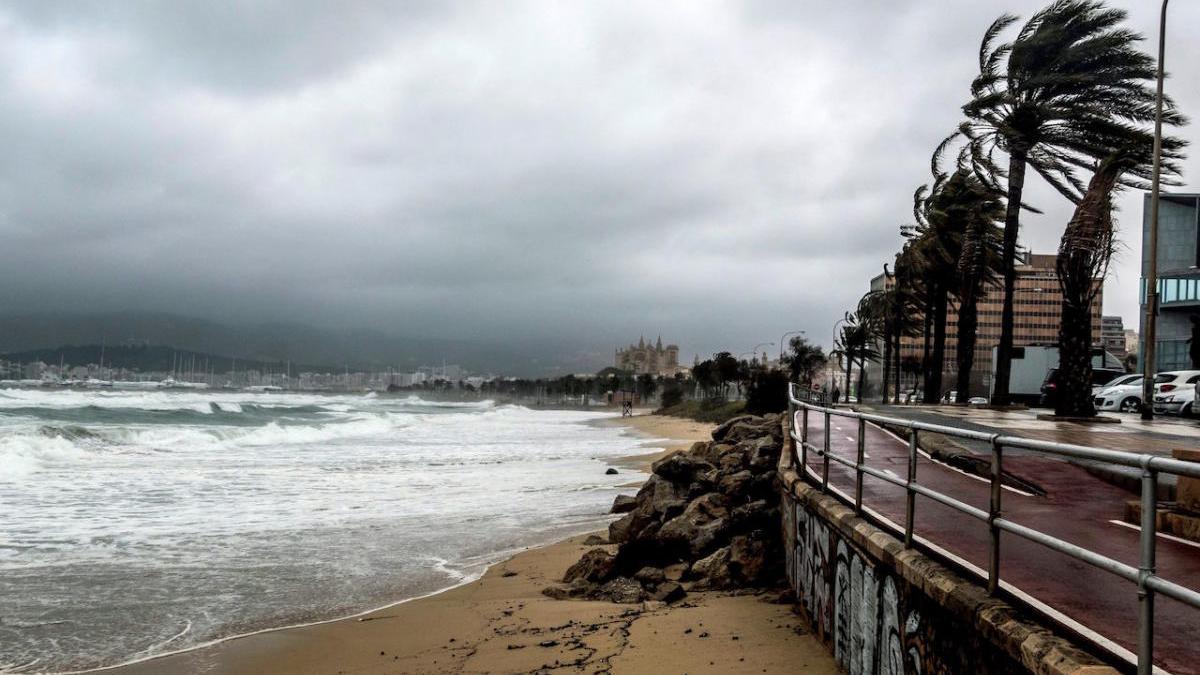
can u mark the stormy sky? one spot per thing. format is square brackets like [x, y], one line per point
[572, 172]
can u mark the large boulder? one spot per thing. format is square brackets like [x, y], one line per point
[698, 528]
[595, 566]
[744, 431]
[736, 486]
[623, 504]
[762, 453]
[650, 576]
[620, 589]
[668, 592]
[733, 459]
[712, 571]
[680, 467]
[747, 559]
[722, 430]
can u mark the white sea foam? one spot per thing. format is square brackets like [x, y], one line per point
[144, 512]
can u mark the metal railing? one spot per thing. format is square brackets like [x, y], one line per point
[1148, 583]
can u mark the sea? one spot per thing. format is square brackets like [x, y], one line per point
[134, 524]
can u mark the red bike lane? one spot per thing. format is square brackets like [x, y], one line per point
[1077, 508]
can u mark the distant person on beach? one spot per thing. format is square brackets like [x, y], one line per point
[627, 409]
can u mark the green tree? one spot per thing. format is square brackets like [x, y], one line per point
[803, 359]
[1067, 91]
[646, 386]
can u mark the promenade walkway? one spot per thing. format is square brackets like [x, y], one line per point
[1077, 507]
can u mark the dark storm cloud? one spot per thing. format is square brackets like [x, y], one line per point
[579, 172]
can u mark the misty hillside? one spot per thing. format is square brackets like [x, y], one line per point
[279, 342]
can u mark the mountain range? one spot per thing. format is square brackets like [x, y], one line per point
[298, 343]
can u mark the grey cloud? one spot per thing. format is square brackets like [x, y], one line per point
[570, 172]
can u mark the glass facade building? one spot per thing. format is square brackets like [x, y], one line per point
[1178, 276]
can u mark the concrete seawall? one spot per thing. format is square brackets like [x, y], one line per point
[885, 609]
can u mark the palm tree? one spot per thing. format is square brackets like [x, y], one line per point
[936, 241]
[976, 210]
[1065, 92]
[1083, 255]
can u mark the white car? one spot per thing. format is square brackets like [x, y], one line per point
[1123, 394]
[1174, 392]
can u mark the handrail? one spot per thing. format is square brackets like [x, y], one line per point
[1148, 582]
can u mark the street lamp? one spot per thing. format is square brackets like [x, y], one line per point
[1148, 335]
[832, 346]
[783, 341]
[754, 349]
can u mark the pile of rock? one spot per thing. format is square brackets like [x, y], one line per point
[707, 518]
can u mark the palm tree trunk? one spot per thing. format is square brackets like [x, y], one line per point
[1012, 226]
[862, 379]
[1075, 352]
[927, 337]
[968, 320]
[938, 356]
[887, 361]
[849, 366]
[896, 350]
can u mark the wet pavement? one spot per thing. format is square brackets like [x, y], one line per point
[1078, 508]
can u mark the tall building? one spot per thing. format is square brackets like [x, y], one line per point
[1037, 313]
[645, 358]
[1112, 335]
[1178, 277]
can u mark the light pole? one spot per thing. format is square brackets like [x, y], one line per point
[832, 346]
[1148, 335]
[783, 341]
[754, 350]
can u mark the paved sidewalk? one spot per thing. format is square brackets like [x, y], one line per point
[1077, 507]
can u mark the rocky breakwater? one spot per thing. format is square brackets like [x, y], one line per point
[707, 519]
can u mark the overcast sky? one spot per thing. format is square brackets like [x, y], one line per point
[720, 172]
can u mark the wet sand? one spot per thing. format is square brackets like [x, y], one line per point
[502, 623]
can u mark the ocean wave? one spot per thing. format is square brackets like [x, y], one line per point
[24, 454]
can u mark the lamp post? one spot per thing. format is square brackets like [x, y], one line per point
[1148, 335]
[832, 346]
[783, 341]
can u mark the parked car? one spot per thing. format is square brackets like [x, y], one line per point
[977, 401]
[1175, 392]
[1100, 378]
[1123, 394]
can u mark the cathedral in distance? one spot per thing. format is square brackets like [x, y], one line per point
[644, 358]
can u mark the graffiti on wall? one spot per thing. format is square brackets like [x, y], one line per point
[873, 620]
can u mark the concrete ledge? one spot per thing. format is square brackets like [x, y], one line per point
[1028, 643]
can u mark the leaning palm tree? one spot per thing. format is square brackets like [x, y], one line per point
[1064, 93]
[1083, 256]
[976, 210]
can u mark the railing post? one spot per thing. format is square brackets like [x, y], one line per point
[825, 457]
[862, 443]
[804, 443]
[1145, 638]
[911, 504]
[993, 514]
[791, 428]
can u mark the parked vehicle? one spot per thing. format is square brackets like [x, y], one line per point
[1031, 366]
[1100, 378]
[1175, 392]
[1123, 394]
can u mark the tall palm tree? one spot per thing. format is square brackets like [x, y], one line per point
[1065, 92]
[976, 210]
[1083, 256]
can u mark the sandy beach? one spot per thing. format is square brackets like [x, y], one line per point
[501, 623]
